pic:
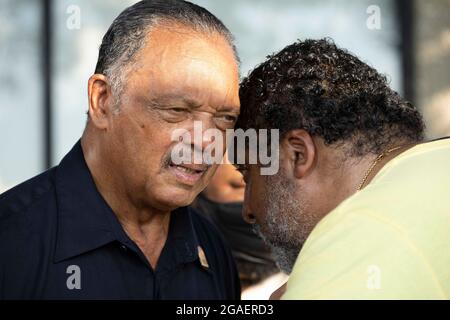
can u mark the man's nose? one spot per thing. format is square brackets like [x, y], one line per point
[201, 140]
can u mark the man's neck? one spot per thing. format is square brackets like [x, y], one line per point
[386, 156]
[146, 226]
[359, 172]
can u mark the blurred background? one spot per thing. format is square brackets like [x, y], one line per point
[49, 48]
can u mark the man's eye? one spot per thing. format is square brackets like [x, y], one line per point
[178, 110]
[228, 118]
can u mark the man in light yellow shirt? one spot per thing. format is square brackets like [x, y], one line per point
[387, 241]
[360, 207]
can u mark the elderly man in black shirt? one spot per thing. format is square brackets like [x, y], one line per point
[110, 221]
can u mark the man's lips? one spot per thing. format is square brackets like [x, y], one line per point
[188, 173]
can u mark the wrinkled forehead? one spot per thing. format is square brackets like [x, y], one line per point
[183, 62]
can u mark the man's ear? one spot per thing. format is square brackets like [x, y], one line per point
[100, 98]
[301, 152]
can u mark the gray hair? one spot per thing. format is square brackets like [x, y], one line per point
[127, 34]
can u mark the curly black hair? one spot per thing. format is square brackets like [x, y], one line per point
[316, 86]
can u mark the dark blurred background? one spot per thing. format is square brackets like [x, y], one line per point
[48, 50]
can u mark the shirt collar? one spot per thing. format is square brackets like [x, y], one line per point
[183, 235]
[86, 222]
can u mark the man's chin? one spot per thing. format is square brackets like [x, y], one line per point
[176, 198]
[285, 258]
[285, 253]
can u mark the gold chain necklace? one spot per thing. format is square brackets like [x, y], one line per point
[374, 163]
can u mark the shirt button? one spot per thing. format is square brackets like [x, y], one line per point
[123, 247]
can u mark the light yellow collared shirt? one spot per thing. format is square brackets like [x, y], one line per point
[390, 240]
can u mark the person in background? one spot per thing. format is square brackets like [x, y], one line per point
[221, 203]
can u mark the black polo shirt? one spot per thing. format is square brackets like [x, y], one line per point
[59, 239]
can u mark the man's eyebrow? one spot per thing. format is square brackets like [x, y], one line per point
[192, 103]
[169, 99]
[188, 102]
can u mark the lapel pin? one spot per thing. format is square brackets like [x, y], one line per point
[202, 257]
